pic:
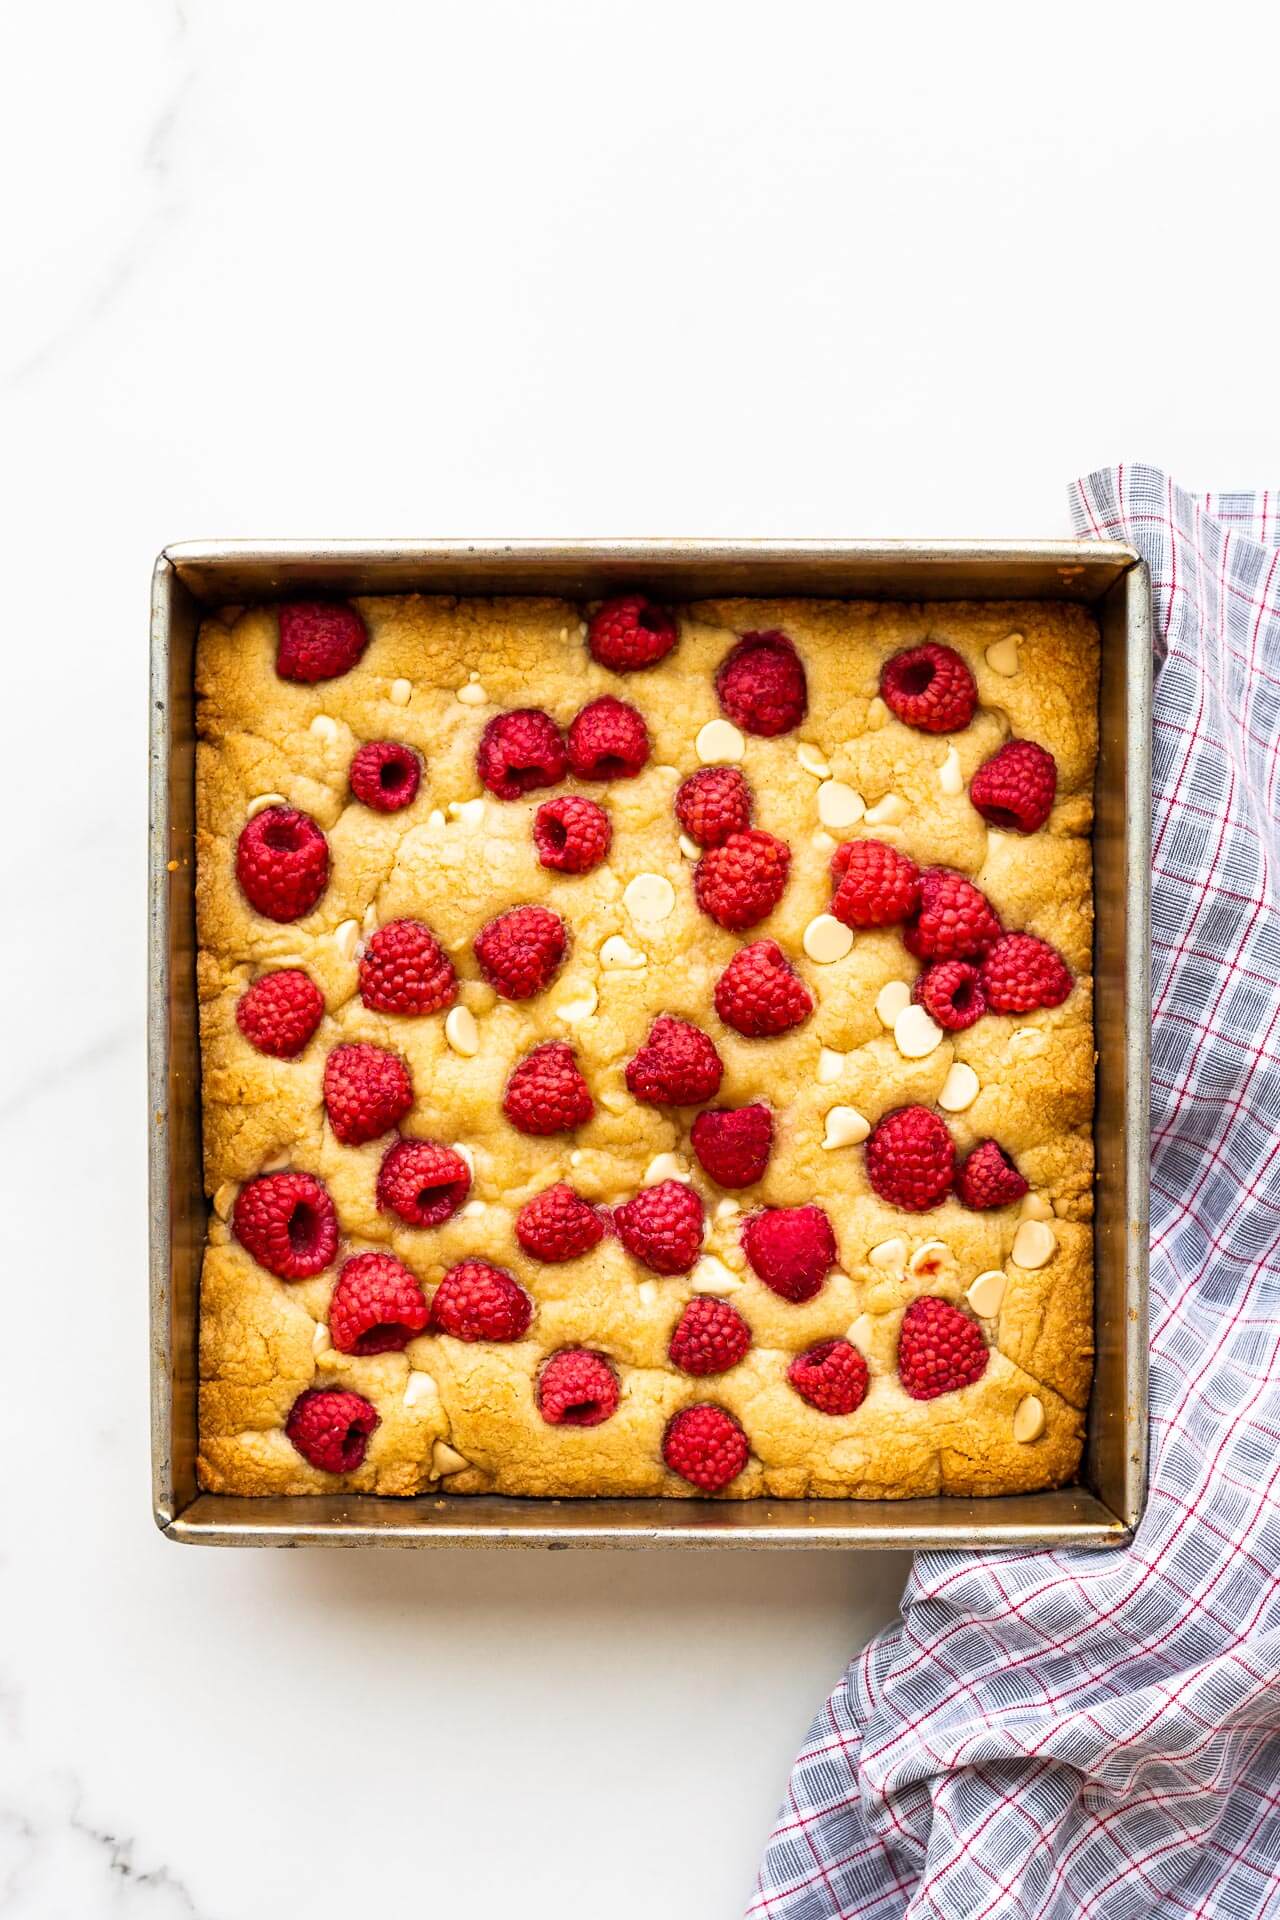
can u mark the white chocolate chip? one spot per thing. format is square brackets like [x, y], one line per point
[617, 953]
[320, 1340]
[446, 1459]
[461, 1031]
[712, 1276]
[1028, 1419]
[960, 1088]
[575, 1158]
[931, 1259]
[887, 812]
[718, 741]
[473, 694]
[811, 760]
[564, 633]
[466, 1153]
[893, 998]
[822, 840]
[690, 848]
[420, 1386]
[647, 1292]
[726, 1209]
[845, 1127]
[950, 778]
[262, 801]
[877, 713]
[580, 1006]
[369, 924]
[324, 727]
[278, 1162]
[224, 1200]
[859, 1334]
[474, 1209]
[1026, 1040]
[665, 1166]
[986, 1295]
[1034, 1244]
[346, 938]
[470, 812]
[830, 1066]
[582, 629]
[916, 1033]
[649, 897]
[838, 805]
[435, 818]
[889, 1253]
[1035, 1207]
[827, 939]
[401, 692]
[1002, 655]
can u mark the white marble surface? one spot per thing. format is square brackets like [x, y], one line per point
[311, 269]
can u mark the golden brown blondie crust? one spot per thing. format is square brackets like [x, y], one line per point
[463, 1416]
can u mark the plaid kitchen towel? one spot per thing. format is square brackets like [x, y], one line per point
[1045, 1735]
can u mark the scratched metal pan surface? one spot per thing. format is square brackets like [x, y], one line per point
[1104, 1508]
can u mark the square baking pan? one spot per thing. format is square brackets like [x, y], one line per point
[1104, 1507]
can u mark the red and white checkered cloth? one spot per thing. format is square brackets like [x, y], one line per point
[1045, 1735]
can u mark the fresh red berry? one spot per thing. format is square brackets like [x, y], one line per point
[831, 1376]
[385, 775]
[740, 882]
[677, 1066]
[950, 991]
[713, 803]
[558, 1224]
[422, 1183]
[288, 1223]
[607, 741]
[760, 993]
[367, 1091]
[477, 1301]
[282, 863]
[630, 631]
[520, 951]
[955, 920]
[705, 1446]
[733, 1144]
[577, 1388]
[911, 1159]
[572, 834]
[709, 1337]
[377, 1305]
[761, 685]
[318, 640]
[939, 1349]
[404, 969]
[1016, 787]
[792, 1249]
[1023, 972]
[331, 1428]
[519, 751]
[662, 1226]
[987, 1177]
[546, 1093]
[876, 886]
[930, 688]
[279, 1013]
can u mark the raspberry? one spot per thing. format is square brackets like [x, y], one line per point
[404, 969]
[831, 1376]
[733, 1144]
[318, 641]
[710, 1337]
[520, 951]
[558, 1224]
[713, 803]
[376, 1306]
[331, 1428]
[422, 1183]
[929, 688]
[519, 751]
[740, 882]
[572, 834]
[288, 1223]
[576, 1388]
[956, 921]
[282, 862]
[876, 886]
[950, 991]
[761, 685]
[1016, 787]
[607, 741]
[677, 1066]
[705, 1446]
[662, 1227]
[279, 1013]
[1022, 972]
[760, 993]
[911, 1159]
[630, 632]
[939, 1349]
[385, 775]
[546, 1093]
[477, 1301]
[367, 1090]
[792, 1249]
[988, 1178]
